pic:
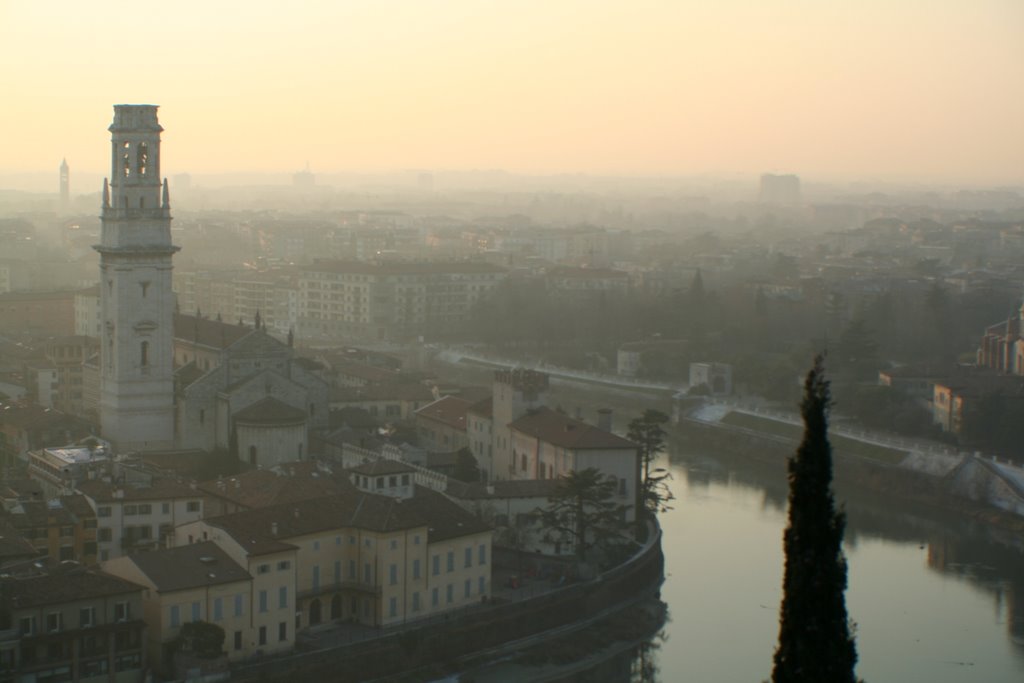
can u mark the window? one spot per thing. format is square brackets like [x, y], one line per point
[451, 560]
[352, 569]
[405, 480]
[284, 565]
[122, 611]
[482, 559]
[482, 588]
[416, 568]
[263, 635]
[368, 542]
[67, 531]
[437, 565]
[394, 544]
[86, 617]
[175, 616]
[263, 569]
[238, 640]
[218, 609]
[238, 605]
[195, 611]
[393, 607]
[393, 574]
[192, 506]
[282, 631]
[130, 510]
[337, 571]
[282, 597]
[53, 621]
[27, 625]
[468, 562]
[351, 540]
[392, 481]
[416, 539]
[144, 354]
[416, 601]
[468, 588]
[433, 598]
[449, 593]
[316, 545]
[263, 601]
[366, 573]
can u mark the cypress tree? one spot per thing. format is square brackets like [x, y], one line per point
[815, 644]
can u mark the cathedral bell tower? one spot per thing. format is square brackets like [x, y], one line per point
[136, 301]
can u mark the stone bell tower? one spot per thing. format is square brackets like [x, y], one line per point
[136, 301]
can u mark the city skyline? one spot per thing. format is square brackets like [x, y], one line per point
[912, 91]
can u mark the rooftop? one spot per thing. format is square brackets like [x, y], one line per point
[189, 566]
[448, 410]
[563, 431]
[69, 583]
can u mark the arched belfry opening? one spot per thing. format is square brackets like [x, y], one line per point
[137, 380]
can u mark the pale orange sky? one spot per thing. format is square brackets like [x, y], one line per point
[929, 90]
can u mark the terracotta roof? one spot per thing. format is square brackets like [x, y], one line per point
[254, 529]
[159, 489]
[206, 332]
[565, 432]
[405, 391]
[271, 411]
[448, 410]
[12, 545]
[263, 488]
[189, 566]
[483, 408]
[69, 583]
[187, 374]
[515, 488]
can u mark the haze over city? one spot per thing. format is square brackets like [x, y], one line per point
[490, 341]
[911, 90]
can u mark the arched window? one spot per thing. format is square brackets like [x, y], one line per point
[252, 455]
[141, 158]
[144, 353]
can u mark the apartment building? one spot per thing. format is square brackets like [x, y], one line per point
[378, 301]
[201, 582]
[387, 553]
[73, 624]
[134, 517]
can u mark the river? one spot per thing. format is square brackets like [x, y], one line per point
[935, 597]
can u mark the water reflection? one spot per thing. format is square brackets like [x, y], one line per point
[891, 545]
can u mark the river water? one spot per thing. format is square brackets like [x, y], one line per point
[934, 598]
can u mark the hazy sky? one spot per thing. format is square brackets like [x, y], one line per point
[929, 90]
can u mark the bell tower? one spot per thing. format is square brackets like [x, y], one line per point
[136, 301]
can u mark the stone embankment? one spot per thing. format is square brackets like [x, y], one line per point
[913, 469]
[463, 639]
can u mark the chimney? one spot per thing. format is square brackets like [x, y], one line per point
[604, 419]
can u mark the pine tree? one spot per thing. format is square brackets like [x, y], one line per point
[815, 644]
[646, 432]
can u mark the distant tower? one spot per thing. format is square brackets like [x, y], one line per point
[65, 184]
[136, 301]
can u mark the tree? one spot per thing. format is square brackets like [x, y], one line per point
[466, 468]
[202, 638]
[647, 433]
[583, 509]
[815, 643]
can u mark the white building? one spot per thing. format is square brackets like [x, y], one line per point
[136, 300]
[139, 517]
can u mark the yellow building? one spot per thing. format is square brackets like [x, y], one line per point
[201, 582]
[386, 553]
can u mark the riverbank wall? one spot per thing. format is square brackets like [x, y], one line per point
[972, 486]
[436, 647]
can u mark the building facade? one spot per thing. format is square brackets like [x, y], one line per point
[136, 300]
